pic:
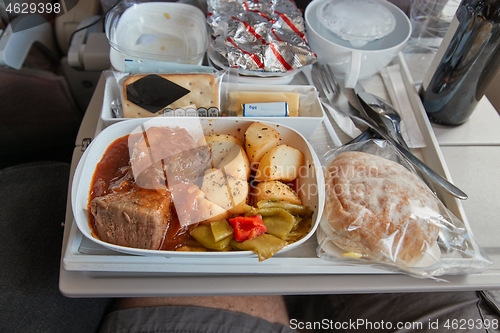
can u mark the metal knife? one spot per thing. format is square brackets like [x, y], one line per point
[339, 101]
[377, 109]
[382, 112]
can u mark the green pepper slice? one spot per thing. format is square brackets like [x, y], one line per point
[203, 235]
[264, 245]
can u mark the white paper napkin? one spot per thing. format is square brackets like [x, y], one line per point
[343, 122]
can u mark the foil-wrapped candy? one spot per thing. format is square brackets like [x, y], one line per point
[259, 36]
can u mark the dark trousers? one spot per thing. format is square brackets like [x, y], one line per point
[32, 211]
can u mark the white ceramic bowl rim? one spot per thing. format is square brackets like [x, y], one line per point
[401, 18]
[93, 154]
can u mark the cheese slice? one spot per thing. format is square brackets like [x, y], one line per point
[236, 99]
[151, 95]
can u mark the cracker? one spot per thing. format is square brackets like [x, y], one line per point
[203, 93]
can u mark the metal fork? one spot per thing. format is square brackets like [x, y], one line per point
[339, 101]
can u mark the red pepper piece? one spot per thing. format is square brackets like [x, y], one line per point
[247, 227]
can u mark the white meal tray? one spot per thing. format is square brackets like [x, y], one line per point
[82, 254]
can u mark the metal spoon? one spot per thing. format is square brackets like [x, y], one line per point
[384, 114]
[338, 100]
[116, 108]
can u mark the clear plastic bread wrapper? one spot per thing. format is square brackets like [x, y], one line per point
[379, 212]
[177, 92]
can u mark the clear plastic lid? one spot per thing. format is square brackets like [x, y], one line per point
[357, 21]
[164, 31]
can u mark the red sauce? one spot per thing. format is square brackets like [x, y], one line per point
[114, 159]
[113, 173]
[176, 236]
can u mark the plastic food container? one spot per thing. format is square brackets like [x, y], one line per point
[311, 187]
[310, 116]
[161, 31]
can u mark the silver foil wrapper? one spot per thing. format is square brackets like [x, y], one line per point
[259, 36]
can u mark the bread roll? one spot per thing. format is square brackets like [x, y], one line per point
[379, 209]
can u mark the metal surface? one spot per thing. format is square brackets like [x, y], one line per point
[365, 135]
[383, 113]
[334, 94]
[386, 116]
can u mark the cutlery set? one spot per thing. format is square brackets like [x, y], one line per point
[379, 119]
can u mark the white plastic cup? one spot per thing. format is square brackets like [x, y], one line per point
[159, 31]
[430, 20]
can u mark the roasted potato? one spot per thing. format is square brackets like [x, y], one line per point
[280, 163]
[220, 145]
[259, 138]
[235, 163]
[192, 205]
[221, 138]
[210, 211]
[275, 190]
[226, 191]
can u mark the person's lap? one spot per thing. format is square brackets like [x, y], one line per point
[187, 318]
[465, 311]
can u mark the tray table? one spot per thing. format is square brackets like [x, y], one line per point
[294, 272]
